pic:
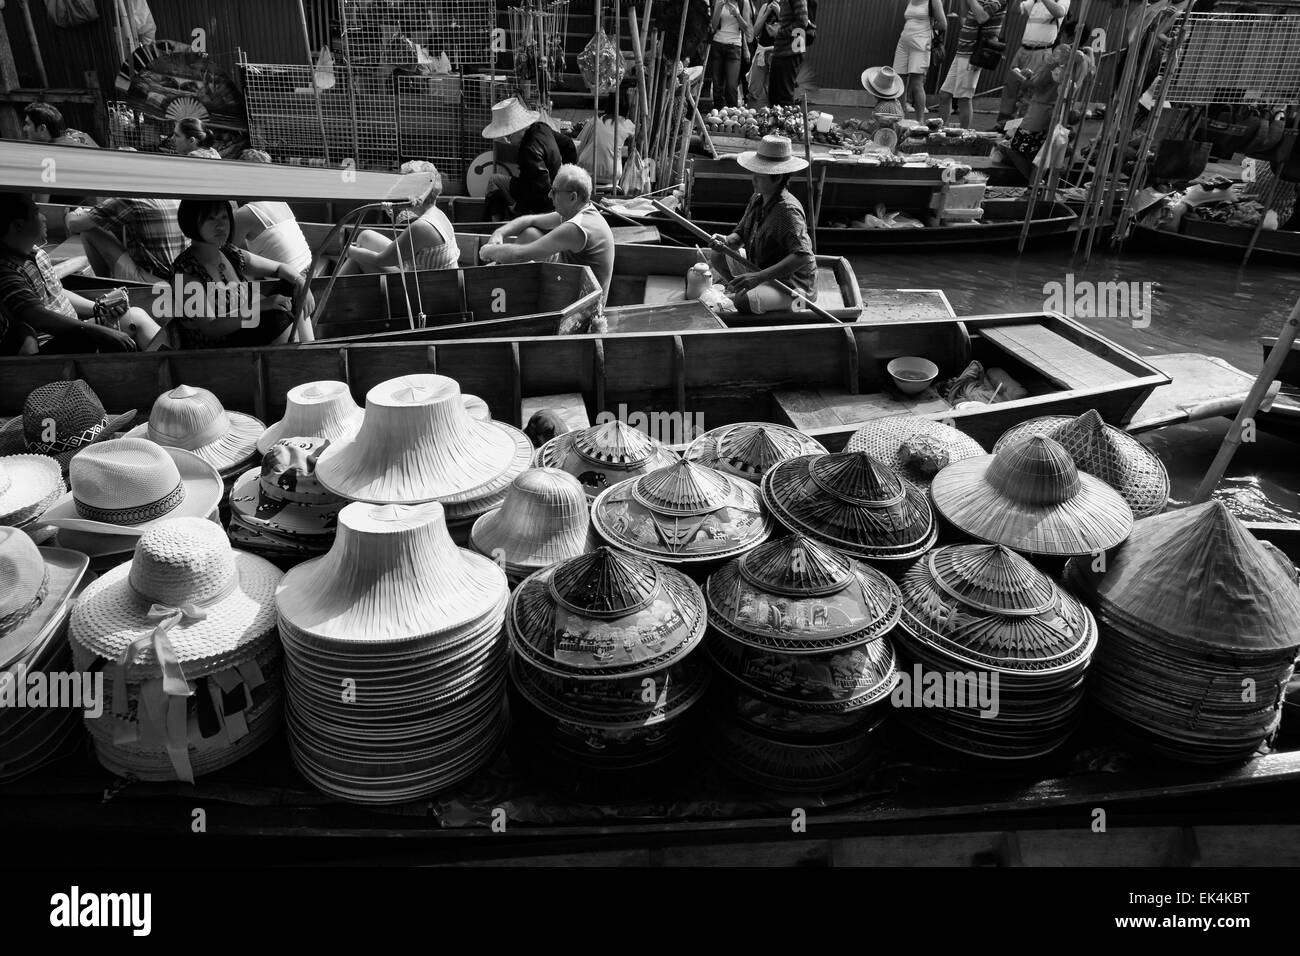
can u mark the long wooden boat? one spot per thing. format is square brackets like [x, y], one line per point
[1215, 240]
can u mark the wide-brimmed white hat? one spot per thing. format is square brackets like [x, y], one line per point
[544, 519]
[317, 409]
[35, 584]
[195, 420]
[882, 82]
[774, 156]
[29, 484]
[418, 443]
[509, 116]
[129, 485]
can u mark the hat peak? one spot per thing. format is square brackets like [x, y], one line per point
[605, 581]
[1036, 471]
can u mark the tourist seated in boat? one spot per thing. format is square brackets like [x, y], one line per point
[191, 138]
[43, 123]
[541, 153]
[230, 315]
[153, 239]
[575, 233]
[270, 229]
[428, 242]
[36, 313]
[773, 234]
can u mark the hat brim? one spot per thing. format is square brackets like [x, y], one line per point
[97, 545]
[279, 430]
[34, 478]
[891, 92]
[203, 491]
[496, 129]
[295, 518]
[231, 450]
[756, 164]
[12, 441]
[66, 569]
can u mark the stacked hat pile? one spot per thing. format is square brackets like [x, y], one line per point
[1200, 628]
[997, 653]
[395, 657]
[36, 585]
[419, 443]
[29, 485]
[804, 629]
[279, 510]
[915, 447]
[194, 419]
[854, 503]
[544, 520]
[682, 514]
[605, 454]
[604, 661]
[749, 449]
[185, 634]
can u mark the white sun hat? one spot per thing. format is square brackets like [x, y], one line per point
[323, 409]
[29, 484]
[509, 116]
[544, 519]
[195, 420]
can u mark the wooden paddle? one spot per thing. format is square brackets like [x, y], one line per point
[730, 253]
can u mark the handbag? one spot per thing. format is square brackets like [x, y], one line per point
[988, 51]
[1180, 159]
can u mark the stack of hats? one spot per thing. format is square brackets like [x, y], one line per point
[803, 628]
[59, 420]
[852, 502]
[195, 420]
[322, 409]
[123, 488]
[185, 634]
[544, 520]
[749, 449]
[29, 485]
[395, 657]
[682, 514]
[1031, 497]
[419, 443]
[1106, 452]
[36, 585]
[604, 663]
[279, 510]
[1199, 634]
[994, 651]
[605, 454]
[915, 447]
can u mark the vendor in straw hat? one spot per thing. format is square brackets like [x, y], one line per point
[541, 153]
[773, 234]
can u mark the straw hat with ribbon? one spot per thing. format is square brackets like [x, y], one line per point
[187, 606]
[1031, 497]
[882, 82]
[59, 420]
[319, 409]
[29, 484]
[544, 519]
[773, 157]
[509, 116]
[35, 584]
[915, 447]
[194, 419]
[418, 443]
[1106, 452]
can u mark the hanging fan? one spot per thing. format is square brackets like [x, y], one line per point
[166, 76]
[185, 106]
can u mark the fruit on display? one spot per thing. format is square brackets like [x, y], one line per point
[768, 120]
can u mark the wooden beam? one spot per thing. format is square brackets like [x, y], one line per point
[10, 126]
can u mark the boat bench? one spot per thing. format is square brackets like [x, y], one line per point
[812, 409]
[1064, 363]
[666, 289]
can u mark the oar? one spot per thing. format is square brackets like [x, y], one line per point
[730, 253]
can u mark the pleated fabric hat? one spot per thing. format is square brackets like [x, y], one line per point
[544, 519]
[915, 447]
[29, 485]
[418, 443]
[852, 502]
[749, 449]
[605, 454]
[322, 409]
[194, 419]
[1106, 452]
[1031, 497]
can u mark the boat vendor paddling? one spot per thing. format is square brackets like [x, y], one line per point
[541, 153]
[773, 233]
[575, 233]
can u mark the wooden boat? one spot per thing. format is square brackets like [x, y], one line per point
[1216, 240]
[1289, 373]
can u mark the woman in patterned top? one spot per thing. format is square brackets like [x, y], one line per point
[216, 273]
[429, 242]
[191, 138]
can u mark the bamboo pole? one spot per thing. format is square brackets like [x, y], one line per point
[1259, 226]
[36, 46]
[1083, 117]
[595, 87]
[1232, 440]
[311, 65]
[807, 155]
[1140, 167]
[618, 78]
[351, 75]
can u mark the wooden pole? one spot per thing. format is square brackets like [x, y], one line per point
[351, 75]
[618, 77]
[595, 87]
[807, 155]
[36, 45]
[1232, 440]
[1259, 226]
[311, 64]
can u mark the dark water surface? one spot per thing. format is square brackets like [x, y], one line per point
[1197, 306]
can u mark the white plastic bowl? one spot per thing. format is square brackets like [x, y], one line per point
[911, 374]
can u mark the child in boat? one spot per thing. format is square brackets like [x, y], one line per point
[429, 242]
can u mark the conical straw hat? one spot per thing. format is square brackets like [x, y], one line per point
[194, 419]
[915, 447]
[1105, 452]
[1033, 499]
[749, 449]
[393, 574]
[1199, 575]
[316, 410]
[544, 519]
[418, 443]
[605, 454]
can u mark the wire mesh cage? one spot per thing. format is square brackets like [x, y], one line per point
[379, 35]
[1231, 58]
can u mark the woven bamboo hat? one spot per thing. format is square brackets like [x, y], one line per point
[1105, 452]
[320, 409]
[605, 454]
[35, 584]
[418, 443]
[509, 116]
[853, 502]
[76, 414]
[1032, 498]
[749, 449]
[544, 519]
[915, 447]
[773, 157]
[195, 420]
[29, 484]
[129, 485]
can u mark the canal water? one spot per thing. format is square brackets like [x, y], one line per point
[1197, 305]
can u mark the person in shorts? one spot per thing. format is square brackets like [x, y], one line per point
[982, 17]
[922, 20]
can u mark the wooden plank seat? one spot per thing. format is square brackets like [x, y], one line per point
[807, 409]
[1064, 363]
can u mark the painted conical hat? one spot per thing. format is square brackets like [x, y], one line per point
[749, 449]
[915, 447]
[853, 502]
[1105, 452]
[1032, 498]
[1198, 575]
[544, 519]
[604, 454]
